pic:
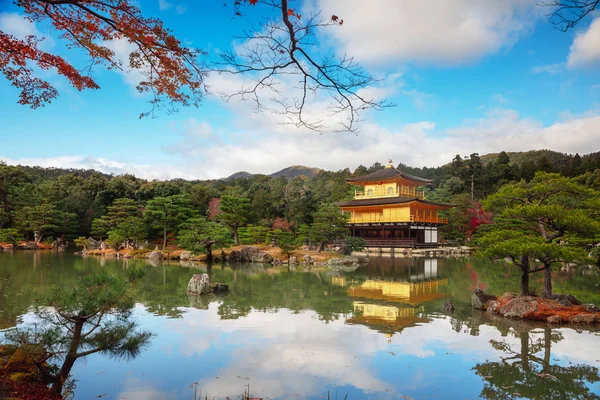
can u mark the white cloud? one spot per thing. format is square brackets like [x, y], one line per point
[260, 145]
[20, 27]
[436, 32]
[122, 49]
[585, 49]
[549, 69]
[164, 5]
[180, 9]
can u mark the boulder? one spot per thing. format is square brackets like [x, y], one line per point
[347, 263]
[292, 261]
[586, 318]
[493, 306]
[554, 319]
[219, 288]
[591, 308]
[185, 256]
[448, 307]
[520, 307]
[480, 300]
[199, 284]
[235, 256]
[308, 259]
[255, 255]
[7, 247]
[566, 300]
[154, 255]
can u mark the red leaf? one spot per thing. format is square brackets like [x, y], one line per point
[334, 18]
[290, 12]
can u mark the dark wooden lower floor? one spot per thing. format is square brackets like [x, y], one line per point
[407, 235]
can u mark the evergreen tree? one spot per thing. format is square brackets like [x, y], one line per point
[539, 220]
[93, 317]
[167, 213]
[329, 224]
[120, 210]
[130, 232]
[234, 213]
[202, 235]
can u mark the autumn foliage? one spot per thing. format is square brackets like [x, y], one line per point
[171, 72]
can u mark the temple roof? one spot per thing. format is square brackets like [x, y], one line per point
[386, 174]
[388, 200]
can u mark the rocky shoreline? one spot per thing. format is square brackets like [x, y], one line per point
[243, 254]
[560, 309]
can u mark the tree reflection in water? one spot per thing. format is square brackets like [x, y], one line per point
[527, 370]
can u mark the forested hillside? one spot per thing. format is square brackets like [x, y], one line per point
[72, 203]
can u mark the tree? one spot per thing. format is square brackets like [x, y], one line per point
[173, 74]
[329, 224]
[523, 373]
[532, 218]
[120, 210]
[9, 235]
[234, 212]
[37, 220]
[93, 317]
[167, 213]
[202, 235]
[131, 231]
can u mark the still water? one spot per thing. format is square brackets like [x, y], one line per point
[377, 333]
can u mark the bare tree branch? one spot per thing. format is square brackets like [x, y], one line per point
[566, 14]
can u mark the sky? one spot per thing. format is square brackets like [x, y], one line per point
[465, 76]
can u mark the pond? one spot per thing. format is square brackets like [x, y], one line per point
[377, 333]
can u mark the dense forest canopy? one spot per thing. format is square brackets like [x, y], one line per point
[60, 203]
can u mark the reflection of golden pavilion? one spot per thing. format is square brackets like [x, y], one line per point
[384, 318]
[413, 293]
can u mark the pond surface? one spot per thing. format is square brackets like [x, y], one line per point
[377, 333]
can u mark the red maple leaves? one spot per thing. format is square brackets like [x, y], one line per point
[171, 72]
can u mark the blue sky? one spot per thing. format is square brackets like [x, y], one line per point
[466, 76]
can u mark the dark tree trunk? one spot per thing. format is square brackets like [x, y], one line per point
[525, 350]
[65, 369]
[236, 239]
[525, 276]
[164, 238]
[547, 348]
[547, 293]
[209, 255]
[321, 247]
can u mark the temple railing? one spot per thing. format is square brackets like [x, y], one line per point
[381, 192]
[381, 218]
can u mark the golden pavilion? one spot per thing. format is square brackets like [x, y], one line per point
[389, 211]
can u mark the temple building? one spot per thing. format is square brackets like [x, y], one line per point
[389, 211]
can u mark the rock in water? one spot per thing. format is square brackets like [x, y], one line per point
[154, 255]
[448, 306]
[220, 288]
[199, 284]
[480, 300]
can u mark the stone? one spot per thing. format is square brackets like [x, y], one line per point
[185, 256]
[566, 300]
[520, 307]
[584, 318]
[347, 263]
[554, 319]
[154, 255]
[479, 300]
[292, 260]
[199, 284]
[591, 308]
[448, 307]
[235, 256]
[307, 259]
[220, 288]
[493, 306]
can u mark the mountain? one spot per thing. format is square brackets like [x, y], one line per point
[240, 175]
[289, 173]
[296, 170]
